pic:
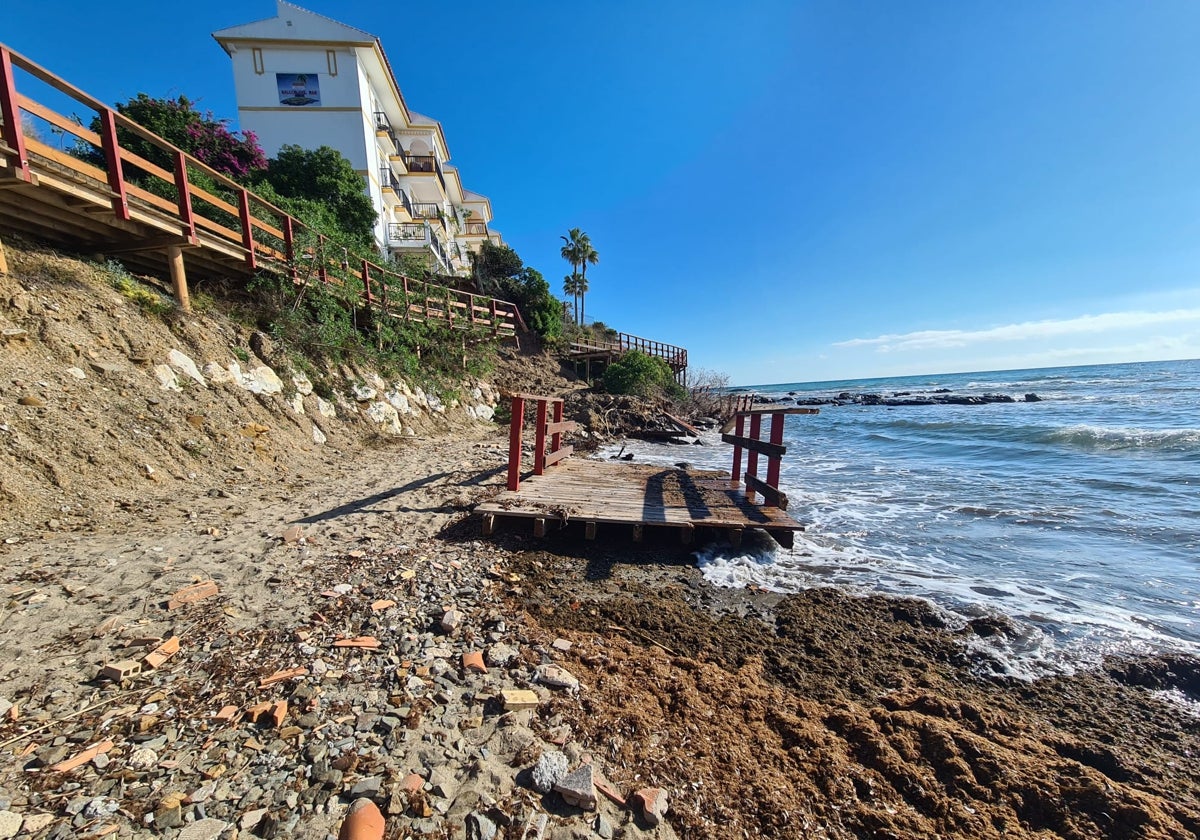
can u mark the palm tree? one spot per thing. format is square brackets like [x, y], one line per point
[578, 251]
[571, 287]
[587, 254]
[570, 252]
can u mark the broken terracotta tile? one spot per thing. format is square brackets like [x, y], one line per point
[280, 676]
[256, 712]
[357, 642]
[161, 654]
[609, 791]
[83, 757]
[277, 713]
[382, 604]
[473, 661]
[412, 783]
[227, 713]
[293, 535]
[192, 594]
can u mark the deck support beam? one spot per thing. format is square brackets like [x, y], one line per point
[539, 527]
[489, 524]
[179, 277]
[589, 531]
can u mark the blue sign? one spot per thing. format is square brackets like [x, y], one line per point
[298, 89]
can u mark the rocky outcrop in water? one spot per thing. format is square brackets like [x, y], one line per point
[900, 398]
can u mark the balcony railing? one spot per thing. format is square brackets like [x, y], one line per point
[408, 232]
[382, 123]
[426, 210]
[388, 179]
[425, 163]
[476, 229]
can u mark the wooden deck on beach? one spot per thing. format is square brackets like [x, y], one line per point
[600, 493]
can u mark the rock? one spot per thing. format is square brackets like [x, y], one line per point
[297, 403]
[218, 375]
[480, 827]
[106, 368]
[143, 759]
[262, 380]
[603, 827]
[550, 769]
[444, 782]
[205, 829]
[303, 384]
[386, 416]
[561, 644]
[399, 402]
[251, 819]
[370, 788]
[169, 817]
[653, 802]
[167, 380]
[451, 619]
[262, 346]
[318, 436]
[326, 408]
[412, 783]
[10, 824]
[1032, 398]
[577, 788]
[556, 677]
[184, 364]
[364, 393]
[498, 656]
[32, 402]
[363, 822]
[76, 373]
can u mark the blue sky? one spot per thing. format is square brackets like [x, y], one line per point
[794, 191]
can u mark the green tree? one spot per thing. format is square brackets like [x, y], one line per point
[327, 185]
[642, 375]
[587, 256]
[499, 271]
[578, 251]
[571, 287]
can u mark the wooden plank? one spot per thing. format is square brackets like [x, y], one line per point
[555, 457]
[687, 427]
[778, 409]
[774, 496]
[761, 446]
[561, 426]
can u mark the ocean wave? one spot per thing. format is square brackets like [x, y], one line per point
[1122, 438]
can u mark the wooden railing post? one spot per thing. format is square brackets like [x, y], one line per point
[322, 268]
[112, 159]
[773, 461]
[289, 246]
[514, 443]
[366, 278]
[184, 192]
[247, 228]
[735, 477]
[10, 111]
[752, 455]
[556, 438]
[539, 440]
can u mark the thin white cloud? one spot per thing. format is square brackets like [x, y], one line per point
[1027, 331]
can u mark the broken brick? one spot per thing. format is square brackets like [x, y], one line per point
[280, 676]
[473, 661]
[277, 713]
[293, 535]
[412, 783]
[227, 713]
[192, 594]
[83, 757]
[382, 604]
[519, 698]
[161, 654]
[119, 671]
[357, 642]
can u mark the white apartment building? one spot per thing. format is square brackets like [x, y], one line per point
[307, 80]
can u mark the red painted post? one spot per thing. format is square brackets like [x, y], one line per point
[556, 438]
[184, 191]
[539, 440]
[751, 455]
[10, 111]
[247, 229]
[112, 157]
[736, 477]
[773, 461]
[514, 443]
[366, 278]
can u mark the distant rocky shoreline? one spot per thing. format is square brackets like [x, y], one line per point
[900, 398]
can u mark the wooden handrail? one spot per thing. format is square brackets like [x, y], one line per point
[243, 208]
[548, 426]
[751, 440]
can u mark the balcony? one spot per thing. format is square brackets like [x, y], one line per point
[388, 179]
[426, 210]
[427, 164]
[384, 126]
[476, 229]
[407, 234]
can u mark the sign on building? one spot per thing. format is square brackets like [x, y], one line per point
[298, 89]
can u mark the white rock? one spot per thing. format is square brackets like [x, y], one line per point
[143, 759]
[363, 393]
[477, 394]
[205, 829]
[10, 823]
[184, 364]
[399, 402]
[419, 399]
[555, 677]
[167, 380]
[471, 412]
[262, 380]
[298, 403]
[76, 372]
[218, 375]
[36, 822]
[484, 412]
[386, 416]
[303, 384]
[326, 409]
[435, 403]
[318, 435]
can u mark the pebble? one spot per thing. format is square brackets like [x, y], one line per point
[549, 770]
[204, 829]
[10, 824]
[556, 677]
[578, 788]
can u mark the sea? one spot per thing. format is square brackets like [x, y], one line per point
[1076, 516]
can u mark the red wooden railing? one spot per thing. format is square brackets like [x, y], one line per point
[546, 430]
[751, 440]
[235, 223]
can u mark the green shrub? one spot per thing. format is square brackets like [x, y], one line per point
[641, 375]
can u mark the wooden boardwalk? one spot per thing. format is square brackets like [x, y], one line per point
[600, 493]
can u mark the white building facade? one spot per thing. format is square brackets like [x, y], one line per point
[303, 79]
